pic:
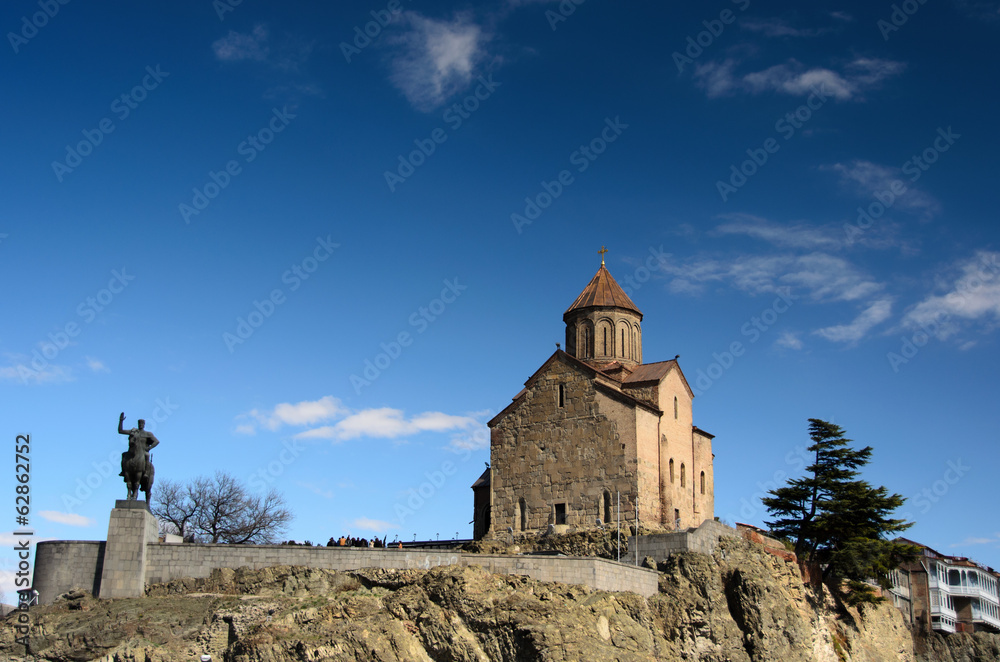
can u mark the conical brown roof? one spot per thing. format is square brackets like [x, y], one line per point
[603, 291]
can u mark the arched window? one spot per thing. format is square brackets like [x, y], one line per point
[623, 344]
[702, 482]
[607, 507]
[605, 350]
[675, 407]
[522, 514]
[671, 471]
[562, 395]
[682, 474]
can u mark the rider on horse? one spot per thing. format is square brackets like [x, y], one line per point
[139, 439]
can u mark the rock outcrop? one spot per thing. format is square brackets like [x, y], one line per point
[741, 604]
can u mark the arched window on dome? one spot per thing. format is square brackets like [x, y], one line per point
[671, 471]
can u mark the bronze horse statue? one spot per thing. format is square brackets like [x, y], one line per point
[137, 468]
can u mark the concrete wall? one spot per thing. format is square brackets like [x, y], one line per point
[62, 565]
[166, 562]
[702, 539]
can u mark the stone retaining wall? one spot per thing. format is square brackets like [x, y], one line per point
[661, 545]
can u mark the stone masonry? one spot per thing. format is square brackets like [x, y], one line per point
[131, 529]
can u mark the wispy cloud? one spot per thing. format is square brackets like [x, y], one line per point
[19, 368]
[971, 295]
[96, 365]
[69, 519]
[820, 276]
[776, 27]
[374, 525]
[719, 78]
[876, 313]
[867, 179]
[994, 540]
[792, 236]
[789, 340]
[236, 47]
[436, 58]
[318, 490]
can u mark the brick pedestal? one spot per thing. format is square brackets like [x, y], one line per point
[132, 526]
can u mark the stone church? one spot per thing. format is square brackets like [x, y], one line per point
[595, 424]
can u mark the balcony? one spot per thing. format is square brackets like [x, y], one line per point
[980, 616]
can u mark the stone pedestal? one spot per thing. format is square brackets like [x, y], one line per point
[132, 526]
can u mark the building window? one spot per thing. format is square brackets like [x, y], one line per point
[607, 507]
[671, 471]
[562, 396]
[675, 407]
[560, 513]
[682, 474]
[702, 482]
[522, 514]
[623, 344]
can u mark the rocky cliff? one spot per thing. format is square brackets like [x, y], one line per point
[739, 604]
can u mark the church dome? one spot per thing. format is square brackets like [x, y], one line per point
[602, 324]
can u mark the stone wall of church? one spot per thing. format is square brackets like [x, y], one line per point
[703, 462]
[576, 455]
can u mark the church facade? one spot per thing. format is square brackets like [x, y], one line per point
[595, 427]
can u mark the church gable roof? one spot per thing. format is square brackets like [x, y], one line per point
[577, 364]
[603, 291]
[648, 373]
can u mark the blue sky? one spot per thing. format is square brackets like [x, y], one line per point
[218, 216]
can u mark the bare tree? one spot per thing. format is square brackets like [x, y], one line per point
[221, 509]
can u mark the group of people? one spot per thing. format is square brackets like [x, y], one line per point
[348, 541]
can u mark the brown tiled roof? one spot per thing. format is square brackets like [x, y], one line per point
[603, 291]
[650, 372]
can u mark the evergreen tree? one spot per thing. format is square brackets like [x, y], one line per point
[837, 520]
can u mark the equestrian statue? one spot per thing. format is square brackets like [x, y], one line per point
[137, 466]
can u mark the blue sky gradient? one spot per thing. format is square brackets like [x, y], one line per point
[321, 259]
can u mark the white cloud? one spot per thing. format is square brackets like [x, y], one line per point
[820, 276]
[794, 236]
[20, 369]
[436, 58]
[374, 525]
[69, 519]
[789, 340]
[302, 413]
[776, 27]
[977, 541]
[388, 423]
[236, 47]
[973, 295]
[793, 78]
[96, 365]
[876, 313]
[869, 178]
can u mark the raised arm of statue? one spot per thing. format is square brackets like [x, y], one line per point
[121, 419]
